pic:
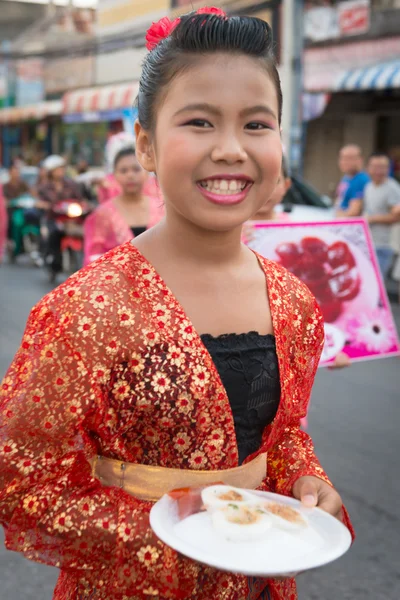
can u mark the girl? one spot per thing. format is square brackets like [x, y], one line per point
[176, 356]
[124, 217]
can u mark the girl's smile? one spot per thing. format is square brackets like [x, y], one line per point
[225, 189]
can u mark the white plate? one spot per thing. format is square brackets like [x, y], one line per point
[281, 553]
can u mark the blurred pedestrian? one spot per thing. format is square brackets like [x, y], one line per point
[381, 198]
[15, 186]
[268, 211]
[57, 188]
[166, 363]
[395, 244]
[41, 180]
[350, 192]
[82, 166]
[126, 216]
[109, 187]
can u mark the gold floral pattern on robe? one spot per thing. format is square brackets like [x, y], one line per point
[110, 364]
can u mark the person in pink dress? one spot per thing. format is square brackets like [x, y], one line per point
[124, 216]
[268, 211]
[110, 188]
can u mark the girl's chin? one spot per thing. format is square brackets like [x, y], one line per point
[131, 189]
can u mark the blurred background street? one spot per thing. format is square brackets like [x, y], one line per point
[69, 77]
[354, 421]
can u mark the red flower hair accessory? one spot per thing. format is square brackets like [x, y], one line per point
[164, 27]
[211, 10]
[159, 31]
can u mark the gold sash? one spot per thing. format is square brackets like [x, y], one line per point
[150, 483]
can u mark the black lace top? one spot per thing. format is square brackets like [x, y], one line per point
[138, 230]
[248, 367]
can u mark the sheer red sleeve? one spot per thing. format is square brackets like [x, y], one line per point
[51, 507]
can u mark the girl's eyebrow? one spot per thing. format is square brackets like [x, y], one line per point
[259, 108]
[205, 107]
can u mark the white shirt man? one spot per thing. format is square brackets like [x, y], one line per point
[381, 197]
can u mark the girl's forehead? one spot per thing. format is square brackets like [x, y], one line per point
[128, 160]
[223, 80]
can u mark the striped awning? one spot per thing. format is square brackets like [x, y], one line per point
[34, 112]
[376, 77]
[98, 99]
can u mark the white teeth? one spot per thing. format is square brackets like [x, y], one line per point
[233, 186]
[223, 186]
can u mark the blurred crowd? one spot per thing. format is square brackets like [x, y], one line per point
[64, 217]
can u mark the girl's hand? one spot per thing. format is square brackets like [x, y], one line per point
[313, 491]
[341, 360]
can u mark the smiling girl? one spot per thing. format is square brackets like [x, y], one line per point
[175, 357]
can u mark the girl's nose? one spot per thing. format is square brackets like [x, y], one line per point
[229, 149]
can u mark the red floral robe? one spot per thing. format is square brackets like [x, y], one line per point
[110, 364]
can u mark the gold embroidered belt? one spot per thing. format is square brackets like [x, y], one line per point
[150, 483]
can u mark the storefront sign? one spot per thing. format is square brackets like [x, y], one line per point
[116, 114]
[354, 17]
[324, 66]
[337, 262]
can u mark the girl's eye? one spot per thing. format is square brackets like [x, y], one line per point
[200, 123]
[256, 126]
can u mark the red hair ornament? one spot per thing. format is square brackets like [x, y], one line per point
[164, 27]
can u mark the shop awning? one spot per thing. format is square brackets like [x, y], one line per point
[34, 112]
[100, 99]
[376, 77]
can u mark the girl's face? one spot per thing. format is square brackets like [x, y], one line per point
[216, 148]
[130, 175]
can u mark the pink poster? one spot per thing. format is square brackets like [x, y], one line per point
[337, 261]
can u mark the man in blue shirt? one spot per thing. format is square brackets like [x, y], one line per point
[350, 192]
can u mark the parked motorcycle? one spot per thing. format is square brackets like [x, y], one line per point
[68, 217]
[24, 228]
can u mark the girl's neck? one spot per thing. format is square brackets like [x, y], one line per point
[129, 199]
[184, 242]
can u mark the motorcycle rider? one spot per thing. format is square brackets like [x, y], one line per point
[15, 186]
[57, 188]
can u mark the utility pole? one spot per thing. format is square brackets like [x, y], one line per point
[292, 82]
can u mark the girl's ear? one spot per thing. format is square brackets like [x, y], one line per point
[144, 148]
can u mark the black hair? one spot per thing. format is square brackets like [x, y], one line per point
[127, 151]
[200, 35]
